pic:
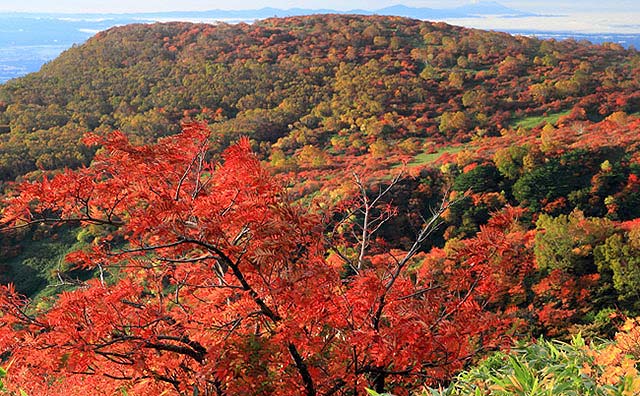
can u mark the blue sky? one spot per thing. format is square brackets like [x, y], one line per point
[71, 6]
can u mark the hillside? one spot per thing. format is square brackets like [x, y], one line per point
[337, 82]
[321, 97]
[435, 192]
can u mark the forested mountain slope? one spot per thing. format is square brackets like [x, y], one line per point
[524, 153]
[337, 82]
[323, 96]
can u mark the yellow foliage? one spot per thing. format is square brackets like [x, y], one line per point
[548, 139]
[464, 158]
[617, 361]
[619, 117]
[311, 157]
[379, 148]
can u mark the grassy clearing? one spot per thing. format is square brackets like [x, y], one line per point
[534, 121]
[427, 158]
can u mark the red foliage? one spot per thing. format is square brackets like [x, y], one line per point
[215, 283]
[562, 296]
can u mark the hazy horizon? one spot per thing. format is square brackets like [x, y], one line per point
[590, 16]
[127, 6]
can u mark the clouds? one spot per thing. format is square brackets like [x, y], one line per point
[551, 6]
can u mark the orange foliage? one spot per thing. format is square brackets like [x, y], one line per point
[214, 283]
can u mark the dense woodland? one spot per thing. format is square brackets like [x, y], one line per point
[322, 205]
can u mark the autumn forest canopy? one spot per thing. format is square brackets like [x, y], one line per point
[322, 205]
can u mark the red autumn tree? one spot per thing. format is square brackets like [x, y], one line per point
[211, 282]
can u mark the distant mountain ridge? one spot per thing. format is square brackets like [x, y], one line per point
[468, 10]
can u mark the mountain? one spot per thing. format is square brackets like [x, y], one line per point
[490, 8]
[482, 8]
[279, 78]
[267, 149]
[29, 40]
[317, 95]
[468, 10]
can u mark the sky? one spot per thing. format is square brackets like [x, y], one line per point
[583, 16]
[121, 6]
